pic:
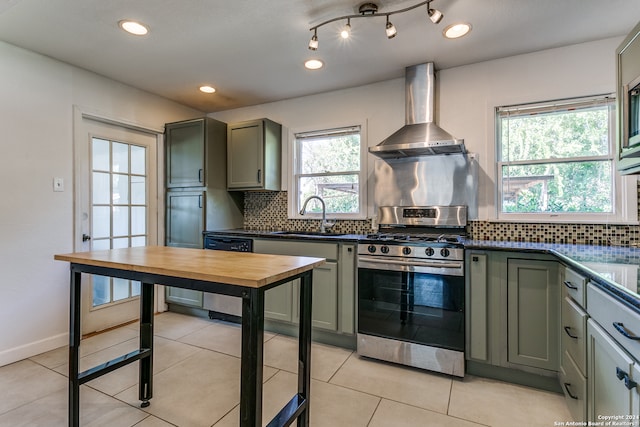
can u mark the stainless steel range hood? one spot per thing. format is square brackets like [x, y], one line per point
[420, 136]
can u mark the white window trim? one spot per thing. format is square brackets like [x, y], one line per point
[625, 197]
[292, 188]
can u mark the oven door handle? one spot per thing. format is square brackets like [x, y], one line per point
[377, 263]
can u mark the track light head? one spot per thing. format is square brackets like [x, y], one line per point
[313, 43]
[346, 30]
[390, 29]
[435, 15]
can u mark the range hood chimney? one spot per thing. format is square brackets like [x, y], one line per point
[420, 136]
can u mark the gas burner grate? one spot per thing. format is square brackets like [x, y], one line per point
[420, 238]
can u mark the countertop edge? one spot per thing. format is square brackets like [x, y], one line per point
[612, 288]
[554, 249]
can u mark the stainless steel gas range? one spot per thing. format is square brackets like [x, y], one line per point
[411, 288]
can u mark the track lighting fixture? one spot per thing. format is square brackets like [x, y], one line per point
[370, 10]
[435, 15]
[346, 30]
[390, 29]
[313, 43]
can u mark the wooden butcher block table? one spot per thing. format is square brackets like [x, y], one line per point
[240, 274]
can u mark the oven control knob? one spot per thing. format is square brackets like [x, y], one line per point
[429, 251]
[371, 248]
[406, 250]
[384, 249]
[444, 252]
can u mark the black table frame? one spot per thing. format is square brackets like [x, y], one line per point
[252, 342]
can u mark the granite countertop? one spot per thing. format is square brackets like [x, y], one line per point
[614, 268]
[281, 234]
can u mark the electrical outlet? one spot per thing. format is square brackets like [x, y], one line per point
[58, 184]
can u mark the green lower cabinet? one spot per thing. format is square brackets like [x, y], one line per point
[333, 284]
[611, 376]
[278, 303]
[324, 312]
[574, 386]
[533, 311]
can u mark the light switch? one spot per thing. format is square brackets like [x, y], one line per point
[58, 184]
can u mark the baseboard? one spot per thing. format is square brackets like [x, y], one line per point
[25, 351]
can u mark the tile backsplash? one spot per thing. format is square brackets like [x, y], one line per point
[268, 211]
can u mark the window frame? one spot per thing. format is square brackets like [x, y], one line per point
[624, 191]
[294, 173]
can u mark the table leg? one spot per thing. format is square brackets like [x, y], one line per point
[146, 341]
[74, 348]
[251, 359]
[304, 346]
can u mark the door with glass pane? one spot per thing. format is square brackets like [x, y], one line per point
[118, 211]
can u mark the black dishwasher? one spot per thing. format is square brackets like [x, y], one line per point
[225, 307]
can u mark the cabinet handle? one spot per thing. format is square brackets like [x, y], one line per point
[569, 285]
[259, 176]
[200, 201]
[620, 328]
[567, 329]
[571, 395]
[200, 174]
[628, 382]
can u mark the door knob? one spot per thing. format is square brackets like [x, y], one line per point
[85, 237]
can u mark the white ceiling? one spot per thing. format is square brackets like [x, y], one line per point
[253, 51]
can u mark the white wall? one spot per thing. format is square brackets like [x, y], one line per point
[37, 95]
[465, 101]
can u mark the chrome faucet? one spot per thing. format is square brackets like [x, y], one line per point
[325, 225]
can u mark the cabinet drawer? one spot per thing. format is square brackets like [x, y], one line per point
[574, 328]
[574, 386]
[574, 286]
[296, 247]
[616, 318]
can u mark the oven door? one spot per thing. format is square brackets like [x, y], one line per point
[413, 304]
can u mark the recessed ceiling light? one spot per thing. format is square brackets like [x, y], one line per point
[313, 64]
[207, 89]
[455, 31]
[133, 27]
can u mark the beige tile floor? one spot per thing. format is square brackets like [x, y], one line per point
[196, 383]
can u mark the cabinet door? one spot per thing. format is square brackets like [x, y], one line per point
[324, 312]
[607, 363]
[278, 302]
[185, 153]
[245, 155]
[347, 287]
[477, 304]
[185, 219]
[533, 313]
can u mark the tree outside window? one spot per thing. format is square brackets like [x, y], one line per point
[556, 158]
[328, 164]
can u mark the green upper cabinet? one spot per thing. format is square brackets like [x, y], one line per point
[533, 313]
[254, 152]
[185, 154]
[628, 103]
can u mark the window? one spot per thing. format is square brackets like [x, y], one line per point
[328, 163]
[556, 161]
